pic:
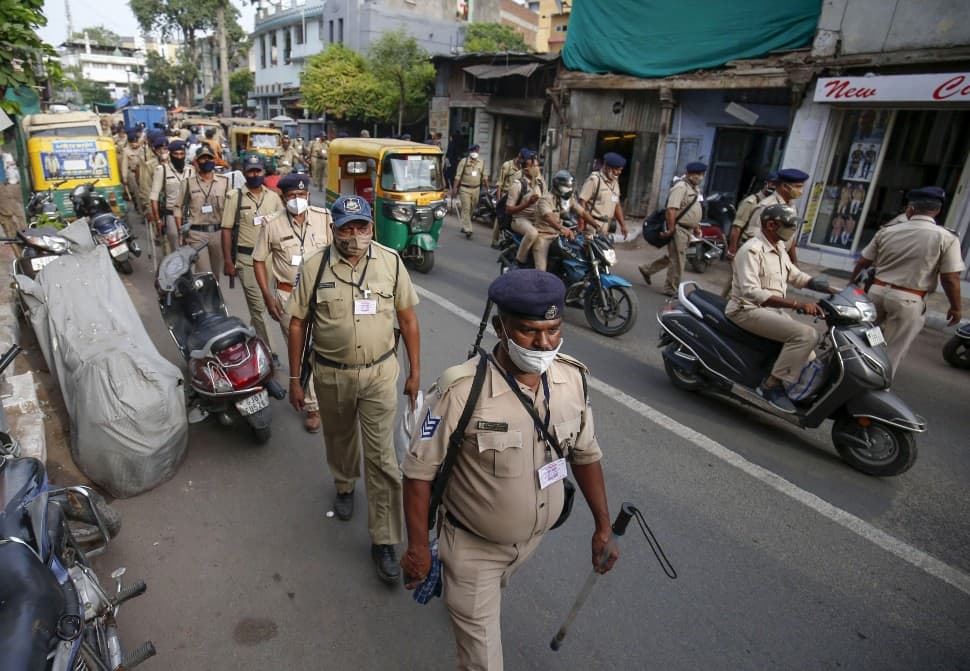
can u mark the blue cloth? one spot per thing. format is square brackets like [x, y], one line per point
[773, 177]
[695, 166]
[614, 160]
[291, 182]
[528, 294]
[431, 587]
[474, 147]
[927, 193]
[792, 175]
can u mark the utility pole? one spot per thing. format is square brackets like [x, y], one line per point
[70, 22]
[223, 58]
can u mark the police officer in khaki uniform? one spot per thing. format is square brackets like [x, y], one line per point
[600, 195]
[470, 177]
[762, 273]
[318, 161]
[130, 167]
[283, 242]
[288, 158]
[684, 213]
[552, 211]
[201, 200]
[508, 173]
[911, 257]
[249, 209]
[743, 215]
[790, 184]
[166, 184]
[503, 493]
[358, 287]
[524, 193]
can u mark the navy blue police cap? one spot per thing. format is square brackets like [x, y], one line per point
[525, 153]
[772, 177]
[613, 160]
[792, 175]
[347, 209]
[133, 134]
[474, 147]
[159, 141]
[529, 294]
[293, 182]
[254, 162]
[176, 145]
[695, 167]
[927, 193]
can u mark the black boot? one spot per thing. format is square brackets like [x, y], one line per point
[385, 559]
[343, 506]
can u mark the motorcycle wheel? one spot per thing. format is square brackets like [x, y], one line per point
[126, 267]
[426, 263]
[614, 319]
[957, 353]
[679, 378]
[699, 265]
[874, 448]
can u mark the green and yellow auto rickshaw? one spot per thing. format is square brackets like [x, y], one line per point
[403, 183]
[244, 141]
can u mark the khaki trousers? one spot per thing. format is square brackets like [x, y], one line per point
[474, 573]
[318, 172]
[171, 233]
[311, 392]
[468, 196]
[529, 234]
[254, 297]
[776, 324]
[359, 408]
[901, 315]
[540, 250]
[675, 261]
[210, 258]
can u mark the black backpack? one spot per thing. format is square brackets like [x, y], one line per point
[656, 224]
[504, 218]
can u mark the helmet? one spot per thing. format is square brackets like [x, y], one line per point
[563, 183]
[783, 214]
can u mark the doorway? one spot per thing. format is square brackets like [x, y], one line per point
[620, 143]
[742, 158]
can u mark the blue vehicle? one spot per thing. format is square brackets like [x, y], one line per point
[583, 264]
[152, 116]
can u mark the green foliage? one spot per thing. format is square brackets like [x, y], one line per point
[164, 76]
[99, 35]
[404, 72]
[493, 37]
[241, 82]
[337, 81]
[25, 59]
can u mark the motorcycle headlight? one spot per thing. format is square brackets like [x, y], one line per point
[848, 311]
[402, 212]
[55, 243]
[440, 211]
[609, 255]
[867, 311]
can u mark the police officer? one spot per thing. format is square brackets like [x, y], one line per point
[762, 272]
[201, 200]
[283, 242]
[789, 187]
[524, 193]
[318, 161]
[247, 210]
[358, 287]
[684, 212]
[743, 214]
[502, 495]
[166, 184]
[508, 173]
[131, 166]
[288, 158]
[553, 211]
[470, 177]
[910, 258]
[600, 195]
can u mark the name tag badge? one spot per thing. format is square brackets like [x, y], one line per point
[365, 306]
[552, 473]
[296, 259]
[259, 220]
[474, 173]
[206, 209]
[615, 198]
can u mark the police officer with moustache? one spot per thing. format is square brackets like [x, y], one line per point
[524, 193]
[507, 174]
[470, 177]
[910, 258]
[357, 288]
[288, 158]
[506, 489]
[743, 214]
[790, 185]
[600, 195]
[249, 209]
[201, 199]
[284, 240]
[167, 181]
[684, 212]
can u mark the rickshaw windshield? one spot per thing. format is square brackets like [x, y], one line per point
[69, 131]
[412, 172]
[264, 141]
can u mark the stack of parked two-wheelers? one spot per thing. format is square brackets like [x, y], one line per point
[106, 228]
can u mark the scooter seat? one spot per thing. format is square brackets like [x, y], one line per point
[712, 307]
[20, 479]
[38, 232]
[32, 605]
[211, 326]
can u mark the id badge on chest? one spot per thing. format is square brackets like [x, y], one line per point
[365, 306]
[259, 220]
[206, 209]
[296, 259]
[551, 473]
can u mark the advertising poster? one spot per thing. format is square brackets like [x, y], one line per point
[862, 161]
[79, 159]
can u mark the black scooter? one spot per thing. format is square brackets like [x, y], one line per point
[873, 430]
[956, 351]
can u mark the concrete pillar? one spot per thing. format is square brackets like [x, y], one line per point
[666, 115]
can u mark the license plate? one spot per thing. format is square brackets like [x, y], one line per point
[253, 404]
[875, 336]
[119, 249]
[39, 262]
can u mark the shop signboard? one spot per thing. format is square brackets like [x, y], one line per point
[949, 87]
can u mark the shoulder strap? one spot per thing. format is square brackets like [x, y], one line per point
[684, 211]
[454, 442]
[525, 185]
[306, 369]
[235, 224]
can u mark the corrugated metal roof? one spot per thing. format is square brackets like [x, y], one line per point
[498, 71]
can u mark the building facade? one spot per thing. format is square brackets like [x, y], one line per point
[553, 24]
[121, 68]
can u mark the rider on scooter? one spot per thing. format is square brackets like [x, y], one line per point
[762, 273]
[553, 208]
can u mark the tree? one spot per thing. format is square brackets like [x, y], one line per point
[403, 72]
[494, 37]
[241, 82]
[164, 76]
[98, 35]
[337, 81]
[25, 59]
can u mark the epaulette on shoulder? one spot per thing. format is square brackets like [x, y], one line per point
[454, 374]
[565, 358]
[317, 208]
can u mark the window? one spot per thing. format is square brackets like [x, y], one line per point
[412, 172]
[287, 46]
[340, 30]
[298, 32]
[273, 57]
[320, 32]
[331, 33]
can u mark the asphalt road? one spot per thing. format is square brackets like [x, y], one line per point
[787, 558]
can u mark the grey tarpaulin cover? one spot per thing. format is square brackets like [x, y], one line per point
[126, 401]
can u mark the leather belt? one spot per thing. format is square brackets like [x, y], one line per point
[285, 286]
[470, 186]
[916, 292]
[324, 361]
[212, 228]
[458, 525]
[240, 249]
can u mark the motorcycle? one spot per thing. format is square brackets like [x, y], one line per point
[55, 613]
[230, 368]
[39, 246]
[719, 212]
[711, 243]
[106, 228]
[42, 209]
[956, 350]
[485, 208]
[583, 264]
[873, 429]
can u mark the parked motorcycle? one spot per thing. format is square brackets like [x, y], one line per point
[719, 211]
[956, 350]
[54, 612]
[485, 208]
[873, 429]
[706, 247]
[106, 228]
[230, 368]
[39, 246]
[42, 209]
[583, 264]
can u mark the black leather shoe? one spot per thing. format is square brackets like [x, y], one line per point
[385, 559]
[343, 506]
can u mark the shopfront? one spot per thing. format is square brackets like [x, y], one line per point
[886, 135]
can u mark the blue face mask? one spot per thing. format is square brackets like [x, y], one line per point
[207, 166]
[254, 181]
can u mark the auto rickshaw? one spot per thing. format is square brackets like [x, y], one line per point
[404, 185]
[244, 141]
[68, 149]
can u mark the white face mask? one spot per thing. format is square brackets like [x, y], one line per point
[474, 154]
[297, 206]
[531, 360]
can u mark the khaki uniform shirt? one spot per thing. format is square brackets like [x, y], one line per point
[746, 207]
[470, 172]
[169, 181]
[339, 333]
[287, 242]
[551, 204]
[130, 160]
[287, 159]
[754, 220]
[145, 175]
[506, 174]
[681, 194]
[900, 219]
[601, 196]
[762, 270]
[914, 253]
[318, 149]
[516, 192]
[252, 213]
[494, 488]
[201, 195]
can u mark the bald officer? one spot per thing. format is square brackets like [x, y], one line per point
[600, 195]
[684, 212]
[470, 177]
[298, 231]
[910, 258]
[357, 288]
[502, 495]
[789, 187]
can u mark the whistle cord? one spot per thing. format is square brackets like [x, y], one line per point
[654, 544]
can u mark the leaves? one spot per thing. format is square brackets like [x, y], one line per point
[25, 59]
[98, 35]
[494, 38]
[241, 82]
